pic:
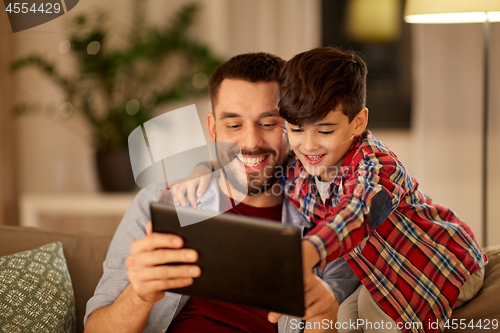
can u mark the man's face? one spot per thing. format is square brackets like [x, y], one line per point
[246, 114]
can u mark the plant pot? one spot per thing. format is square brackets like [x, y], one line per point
[114, 170]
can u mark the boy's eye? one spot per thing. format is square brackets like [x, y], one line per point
[326, 132]
[296, 130]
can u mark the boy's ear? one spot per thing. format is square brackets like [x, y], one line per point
[211, 126]
[361, 121]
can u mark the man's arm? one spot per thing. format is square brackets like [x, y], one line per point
[127, 314]
[149, 278]
[319, 300]
[323, 305]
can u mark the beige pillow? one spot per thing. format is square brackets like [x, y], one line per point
[484, 309]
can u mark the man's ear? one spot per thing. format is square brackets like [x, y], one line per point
[361, 121]
[211, 126]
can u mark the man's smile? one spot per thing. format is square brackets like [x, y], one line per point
[252, 162]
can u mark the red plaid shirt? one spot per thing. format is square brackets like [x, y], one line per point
[413, 261]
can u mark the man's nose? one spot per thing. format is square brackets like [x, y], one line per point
[311, 142]
[251, 138]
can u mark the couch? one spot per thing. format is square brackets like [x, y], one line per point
[85, 253]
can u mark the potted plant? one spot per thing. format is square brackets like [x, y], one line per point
[117, 90]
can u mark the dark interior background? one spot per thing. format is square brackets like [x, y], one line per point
[389, 81]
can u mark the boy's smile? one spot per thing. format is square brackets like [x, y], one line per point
[314, 159]
[321, 146]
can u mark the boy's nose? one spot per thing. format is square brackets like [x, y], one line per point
[311, 143]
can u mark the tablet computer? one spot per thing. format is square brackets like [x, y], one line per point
[244, 261]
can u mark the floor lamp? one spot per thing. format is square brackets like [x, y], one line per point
[464, 11]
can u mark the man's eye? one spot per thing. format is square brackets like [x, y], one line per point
[233, 126]
[268, 125]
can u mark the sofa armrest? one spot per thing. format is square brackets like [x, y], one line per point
[84, 255]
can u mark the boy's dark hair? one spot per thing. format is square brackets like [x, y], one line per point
[252, 67]
[315, 82]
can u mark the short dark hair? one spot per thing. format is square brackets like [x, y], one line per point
[318, 81]
[252, 67]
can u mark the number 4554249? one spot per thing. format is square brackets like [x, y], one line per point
[23, 8]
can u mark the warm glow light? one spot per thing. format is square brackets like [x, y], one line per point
[452, 11]
[494, 16]
[447, 18]
[373, 20]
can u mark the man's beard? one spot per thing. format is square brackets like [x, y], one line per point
[255, 182]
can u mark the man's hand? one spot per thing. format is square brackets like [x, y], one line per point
[319, 298]
[149, 276]
[320, 302]
[195, 185]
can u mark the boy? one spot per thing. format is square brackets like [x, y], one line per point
[421, 261]
[416, 260]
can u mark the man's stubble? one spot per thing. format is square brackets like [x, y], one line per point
[257, 182]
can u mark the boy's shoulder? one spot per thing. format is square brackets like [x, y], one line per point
[365, 148]
[367, 144]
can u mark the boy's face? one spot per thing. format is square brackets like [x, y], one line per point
[322, 145]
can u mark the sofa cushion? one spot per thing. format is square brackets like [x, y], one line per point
[36, 292]
[84, 255]
[484, 309]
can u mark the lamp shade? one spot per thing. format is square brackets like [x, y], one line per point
[452, 11]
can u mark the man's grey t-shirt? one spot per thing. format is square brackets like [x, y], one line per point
[133, 226]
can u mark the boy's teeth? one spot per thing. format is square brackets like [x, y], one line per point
[251, 161]
[314, 157]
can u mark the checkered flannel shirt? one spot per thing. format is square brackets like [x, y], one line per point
[412, 254]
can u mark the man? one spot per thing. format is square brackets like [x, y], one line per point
[130, 296]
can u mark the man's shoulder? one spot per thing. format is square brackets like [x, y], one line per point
[138, 210]
[155, 192]
[158, 192]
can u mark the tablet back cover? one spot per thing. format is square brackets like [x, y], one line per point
[244, 261]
